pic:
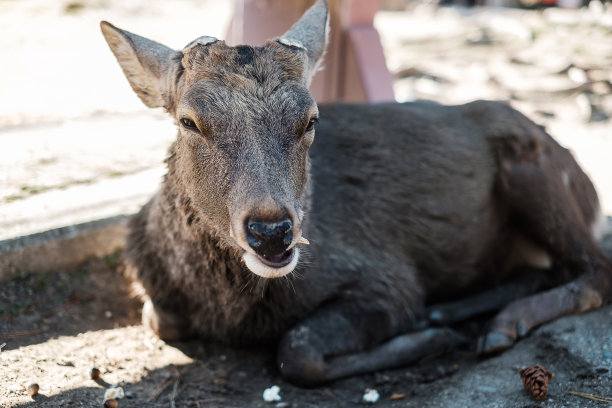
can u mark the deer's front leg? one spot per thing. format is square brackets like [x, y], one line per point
[167, 325]
[346, 339]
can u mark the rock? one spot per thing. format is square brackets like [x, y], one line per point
[33, 389]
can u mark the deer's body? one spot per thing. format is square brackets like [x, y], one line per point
[403, 204]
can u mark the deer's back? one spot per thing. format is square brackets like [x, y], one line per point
[397, 185]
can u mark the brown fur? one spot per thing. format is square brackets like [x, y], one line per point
[404, 205]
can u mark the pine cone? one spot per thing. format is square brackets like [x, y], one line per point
[535, 379]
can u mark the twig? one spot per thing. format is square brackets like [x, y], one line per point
[161, 387]
[173, 394]
[15, 335]
[592, 397]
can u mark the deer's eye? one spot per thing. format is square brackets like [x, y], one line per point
[311, 124]
[189, 124]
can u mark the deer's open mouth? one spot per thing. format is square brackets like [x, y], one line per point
[273, 266]
[278, 260]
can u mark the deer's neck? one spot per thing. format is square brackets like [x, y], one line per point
[181, 215]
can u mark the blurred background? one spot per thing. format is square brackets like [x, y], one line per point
[76, 144]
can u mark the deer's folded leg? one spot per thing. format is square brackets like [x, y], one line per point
[521, 316]
[556, 204]
[399, 351]
[334, 344]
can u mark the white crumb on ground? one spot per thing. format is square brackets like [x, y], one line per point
[114, 393]
[371, 396]
[272, 394]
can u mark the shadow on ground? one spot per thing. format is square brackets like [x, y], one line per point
[36, 307]
[89, 319]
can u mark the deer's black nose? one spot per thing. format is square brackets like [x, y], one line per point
[269, 238]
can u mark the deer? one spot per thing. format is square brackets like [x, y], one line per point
[349, 237]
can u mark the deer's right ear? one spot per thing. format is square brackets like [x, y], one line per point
[145, 63]
[310, 32]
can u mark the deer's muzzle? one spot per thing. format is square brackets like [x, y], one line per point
[268, 233]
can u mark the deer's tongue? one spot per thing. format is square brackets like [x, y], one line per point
[278, 260]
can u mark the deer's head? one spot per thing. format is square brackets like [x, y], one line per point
[246, 120]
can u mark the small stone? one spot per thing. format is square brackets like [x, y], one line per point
[607, 355]
[66, 362]
[271, 394]
[33, 389]
[282, 405]
[94, 373]
[371, 396]
[110, 403]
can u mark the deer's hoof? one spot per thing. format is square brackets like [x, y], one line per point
[494, 342]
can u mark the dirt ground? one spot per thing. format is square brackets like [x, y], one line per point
[57, 327]
[554, 65]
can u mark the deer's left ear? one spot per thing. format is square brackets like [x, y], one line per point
[310, 32]
[145, 63]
